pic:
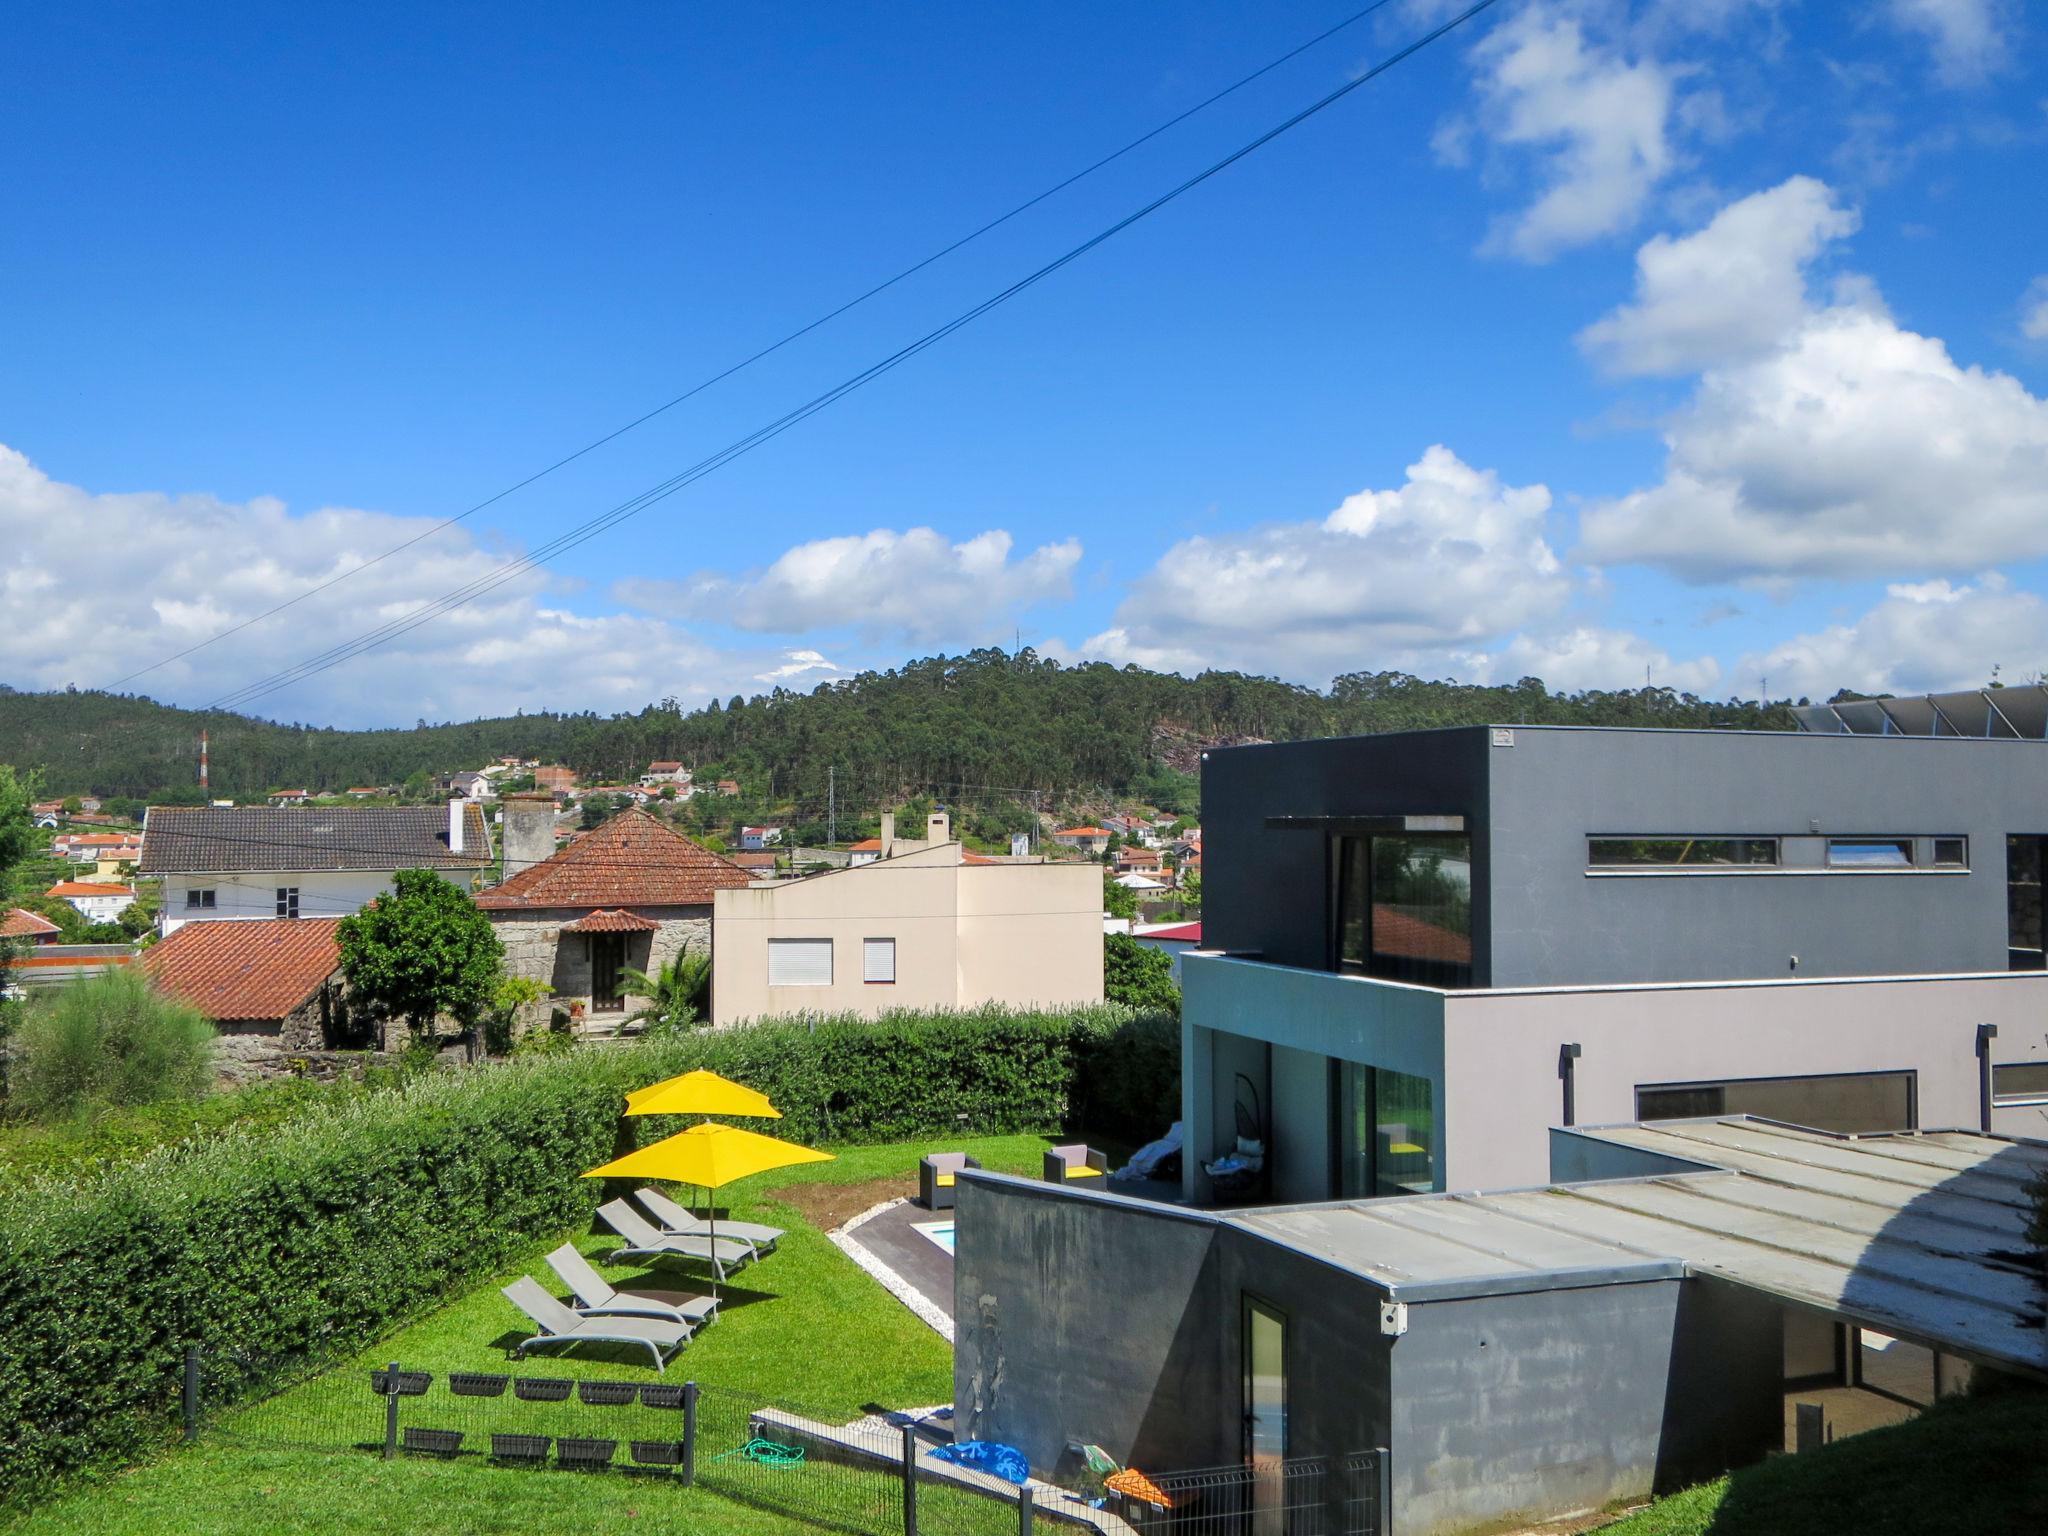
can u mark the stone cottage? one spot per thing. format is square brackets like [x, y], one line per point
[272, 986]
[634, 892]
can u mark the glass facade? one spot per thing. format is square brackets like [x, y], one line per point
[1386, 1128]
[1404, 907]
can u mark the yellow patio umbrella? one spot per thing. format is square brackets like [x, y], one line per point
[712, 1155]
[701, 1093]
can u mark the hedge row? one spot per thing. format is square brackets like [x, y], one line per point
[302, 1242]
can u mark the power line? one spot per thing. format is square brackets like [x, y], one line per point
[462, 596]
[747, 362]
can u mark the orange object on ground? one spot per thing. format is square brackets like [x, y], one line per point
[1135, 1483]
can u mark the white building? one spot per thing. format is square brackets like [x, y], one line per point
[95, 903]
[254, 861]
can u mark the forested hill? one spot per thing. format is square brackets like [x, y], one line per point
[971, 728]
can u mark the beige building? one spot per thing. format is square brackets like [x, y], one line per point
[929, 925]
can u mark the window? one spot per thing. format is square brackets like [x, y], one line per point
[799, 962]
[197, 899]
[2020, 1082]
[1385, 1121]
[1847, 1101]
[1680, 852]
[877, 961]
[287, 901]
[1952, 853]
[1404, 907]
[1870, 853]
[2023, 944]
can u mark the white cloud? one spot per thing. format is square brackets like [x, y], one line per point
[1596, 122]
[2034, 310]
[94, 586]
[1725, 292]
[1852, 447]
[1919, 638]
[1588, 656]
[913, 585]
[1419, 577]
[1970, 38]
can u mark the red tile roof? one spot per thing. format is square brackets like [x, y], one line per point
[617, 920]
[631, 860]
[88, 888]
[754, 858]
[1180, 933]
[246, 969]
[1399, 932]
[19, 924]
[1083, 832]
[866, 845]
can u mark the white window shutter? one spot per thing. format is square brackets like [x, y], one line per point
[878, 960]
[799, 962]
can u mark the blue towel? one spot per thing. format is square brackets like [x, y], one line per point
[1004, 1461]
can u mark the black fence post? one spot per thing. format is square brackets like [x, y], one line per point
[909, 1480]
[689, 1473]
[391, 1412]
[191, 1395]
[1024, 1510]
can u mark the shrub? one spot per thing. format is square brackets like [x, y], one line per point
[1138, 975]
[109, 1039]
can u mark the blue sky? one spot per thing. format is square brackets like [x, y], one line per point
[1696, 341]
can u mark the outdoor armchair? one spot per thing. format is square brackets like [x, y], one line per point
[596, 1297]
[676, 1219]
[644, 1242]
[936, 1175]
[559, 1325]
[1071, 1164]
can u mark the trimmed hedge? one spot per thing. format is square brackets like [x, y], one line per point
[301, 1242]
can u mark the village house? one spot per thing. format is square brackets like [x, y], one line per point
[290, 796]
[633, 892]
[250, 862]
[1142, 860]
[470, 784]
[94, 902]
[554, 778]
[660, 773]
[754, 839]
[1088, 840]
[273, 977]
[29, 927]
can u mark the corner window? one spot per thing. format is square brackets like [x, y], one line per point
[287, 901]
[799, 962]
[2020, 1082]
[1870, 853]
[878, 961]
[1680, 852]
[1951, 853]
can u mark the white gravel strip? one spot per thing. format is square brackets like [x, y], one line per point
[928, 1313]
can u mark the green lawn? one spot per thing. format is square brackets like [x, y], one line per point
[1969, 1467]
[805, 1328]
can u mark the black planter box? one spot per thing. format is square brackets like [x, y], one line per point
[519, 1447]
[658, 1453]
[653, 1396]
[470, 1384]
[572, 1452]
[410, 1383]
[608, 1392]
[434, 1442]
[542, 1389]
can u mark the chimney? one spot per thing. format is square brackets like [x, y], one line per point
[527, 829]
[457, 819]
[888, 833]
[938, 828]
[202, 761]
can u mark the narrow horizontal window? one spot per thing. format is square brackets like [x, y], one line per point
[1952, 853]
[878, 960]
[799, 962]
[2020, 1082]
[1870, 853]
[1681, 852]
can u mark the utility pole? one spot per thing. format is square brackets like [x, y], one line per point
[831, 805]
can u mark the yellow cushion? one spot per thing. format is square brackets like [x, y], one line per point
[1084, 1173]
[944, 1181]
[1407, 1148]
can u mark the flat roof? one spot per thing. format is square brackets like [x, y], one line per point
[1917, 1234]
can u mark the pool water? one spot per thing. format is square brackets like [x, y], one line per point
[940, 1232]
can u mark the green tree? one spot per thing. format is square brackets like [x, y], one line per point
[1137, 975]
[17, 824]
[109, 1039]
[1118, 901]
[678, 995]
[421, 950]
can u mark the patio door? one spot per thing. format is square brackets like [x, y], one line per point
[607, 960]
[1264, 1349]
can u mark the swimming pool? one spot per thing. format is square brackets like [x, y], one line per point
[940, 1232]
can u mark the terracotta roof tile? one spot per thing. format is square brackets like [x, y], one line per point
[253, 968]
[88, 888]
[20, 924]
[631, 860]
[616, 920]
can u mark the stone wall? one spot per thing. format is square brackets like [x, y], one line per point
[536, 948]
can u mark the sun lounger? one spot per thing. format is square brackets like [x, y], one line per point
[596, 1297]
[671, 1217]
[559, 1325]
[644, 1242]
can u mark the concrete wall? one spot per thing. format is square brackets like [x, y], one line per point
[966, 934]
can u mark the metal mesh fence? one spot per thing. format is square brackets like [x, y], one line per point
[1311, 1496]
